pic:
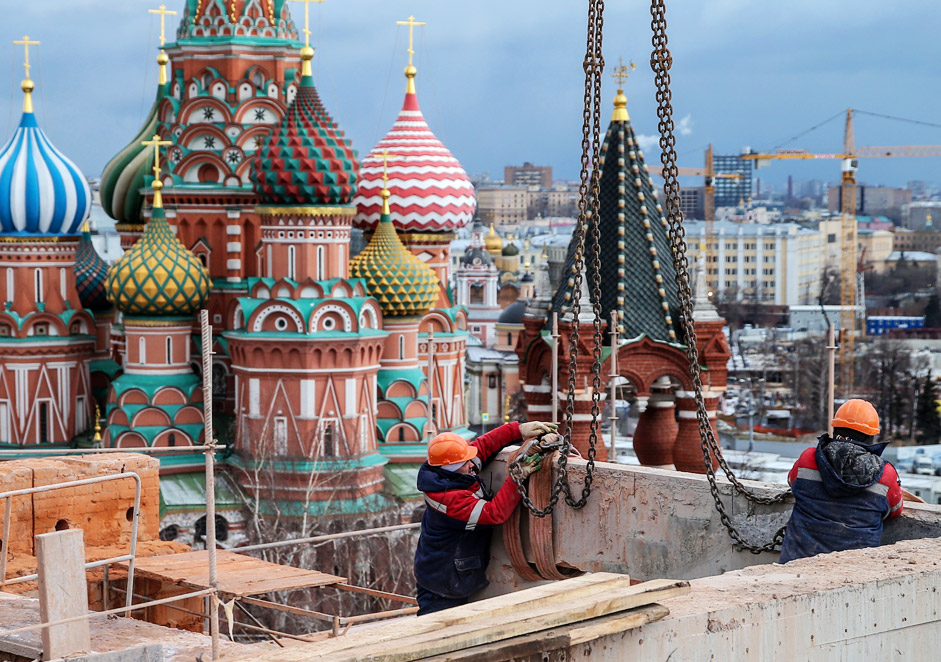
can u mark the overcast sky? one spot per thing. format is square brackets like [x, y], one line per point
[500, 82]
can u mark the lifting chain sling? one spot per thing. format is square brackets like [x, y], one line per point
[660, 63]
[588, 224]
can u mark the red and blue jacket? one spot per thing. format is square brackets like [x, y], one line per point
[843, 492]
[454, 546]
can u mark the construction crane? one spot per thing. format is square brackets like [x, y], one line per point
[848, 267]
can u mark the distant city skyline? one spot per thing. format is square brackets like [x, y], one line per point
[501, 83]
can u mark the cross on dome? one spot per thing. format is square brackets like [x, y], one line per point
[157, 143]
[622, 72]
[163, 12]
[27, 84]
[411, 23]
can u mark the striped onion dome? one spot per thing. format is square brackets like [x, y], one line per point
[91, 275]
[159, 275]
[403, 284]
[430, 190]
[41, 191]
[307, 160]
[125, 175]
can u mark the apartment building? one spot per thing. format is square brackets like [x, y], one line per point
[779, 264]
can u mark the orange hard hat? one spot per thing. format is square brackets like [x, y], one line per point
[857, 415]
[449, 448]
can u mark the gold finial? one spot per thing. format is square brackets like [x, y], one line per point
[162, 58]
[506, 409]
[97, 436]
[86, 226]
[27, 84]
[410, 70]
[621, 73]
[385, 181]
[307, 53]
[157, 143]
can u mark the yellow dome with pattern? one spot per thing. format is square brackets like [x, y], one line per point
[159, 275]
[403, 284]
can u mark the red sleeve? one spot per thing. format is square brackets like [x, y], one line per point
[890, 478]
[807, 460]
[464, 506]
[491, 443]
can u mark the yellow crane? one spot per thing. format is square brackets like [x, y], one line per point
[850, 162]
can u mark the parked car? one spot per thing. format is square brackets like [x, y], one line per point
[924, 465]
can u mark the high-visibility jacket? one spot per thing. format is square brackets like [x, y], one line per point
[843, 492]
[454, 546]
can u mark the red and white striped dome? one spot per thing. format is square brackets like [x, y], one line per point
[430, 190]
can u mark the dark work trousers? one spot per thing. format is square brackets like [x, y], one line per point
[429, 602]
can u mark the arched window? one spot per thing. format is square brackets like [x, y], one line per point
[328, 440]
[39, 292]
[401, 347]
[141, 350]
[292, 269]
[509, 338]
[10, 284]
[62, 282]
[169, 350]
[320, 263]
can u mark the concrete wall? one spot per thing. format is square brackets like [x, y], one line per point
[653, 523]
[874, 604]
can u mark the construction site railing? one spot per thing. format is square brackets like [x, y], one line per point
[8, 515]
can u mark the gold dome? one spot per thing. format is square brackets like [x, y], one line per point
[493, 242]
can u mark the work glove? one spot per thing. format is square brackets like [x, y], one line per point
[526, 467]
[533, 429]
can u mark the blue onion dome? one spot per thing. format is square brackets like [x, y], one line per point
[91, 275]
[42, 192]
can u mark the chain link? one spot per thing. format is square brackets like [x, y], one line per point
[588, 217]
[660, 63]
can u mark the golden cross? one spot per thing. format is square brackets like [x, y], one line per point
[385, 166]
[156, 143]
[164, 12]
[307, 19]
[411, 23]
[26, 43]
[621, 72]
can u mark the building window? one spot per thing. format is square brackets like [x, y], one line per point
[41, 330]
[320, 263]
[491, 381]
[39, 291]
[401, 347]
[831, 238]
[43, 423]
[402, 434]
[169, 351]
[141, 350]
[291, 262]
[328, 440]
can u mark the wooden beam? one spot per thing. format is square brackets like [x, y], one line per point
[556, 639]
[60, 557]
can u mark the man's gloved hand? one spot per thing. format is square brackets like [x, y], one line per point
[549, 442]
[526, 467]
[533, 429]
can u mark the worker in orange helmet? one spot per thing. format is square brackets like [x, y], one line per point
[454, 546]
[843, 489]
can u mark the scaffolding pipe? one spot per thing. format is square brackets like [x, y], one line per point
[209, 442]
[555, 368]
[612, 456]
[90, 451]
[432, 423]
[831, 359]
[326, 538]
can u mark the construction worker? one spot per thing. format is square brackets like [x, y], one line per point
[843, 489]
[454, 546]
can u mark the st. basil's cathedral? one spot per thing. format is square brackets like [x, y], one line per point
[330, 371]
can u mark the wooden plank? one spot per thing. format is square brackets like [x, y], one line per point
[60, 557]
[239, 575]
[556, 639]
[536, 603]
[555, 592]
[490, 630]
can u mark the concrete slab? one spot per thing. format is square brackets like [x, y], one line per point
[108, 635]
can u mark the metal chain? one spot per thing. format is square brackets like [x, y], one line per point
[660, 63]
[587, 214]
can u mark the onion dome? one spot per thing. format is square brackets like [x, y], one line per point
[307, 160]
[475, 256]
[91, 275]
[431, 192]
[511, 250]
[159, 275]
[233, 19]
[127, 173]
[42, 192]
[493, 242]
[403, 284]
[513, 314]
